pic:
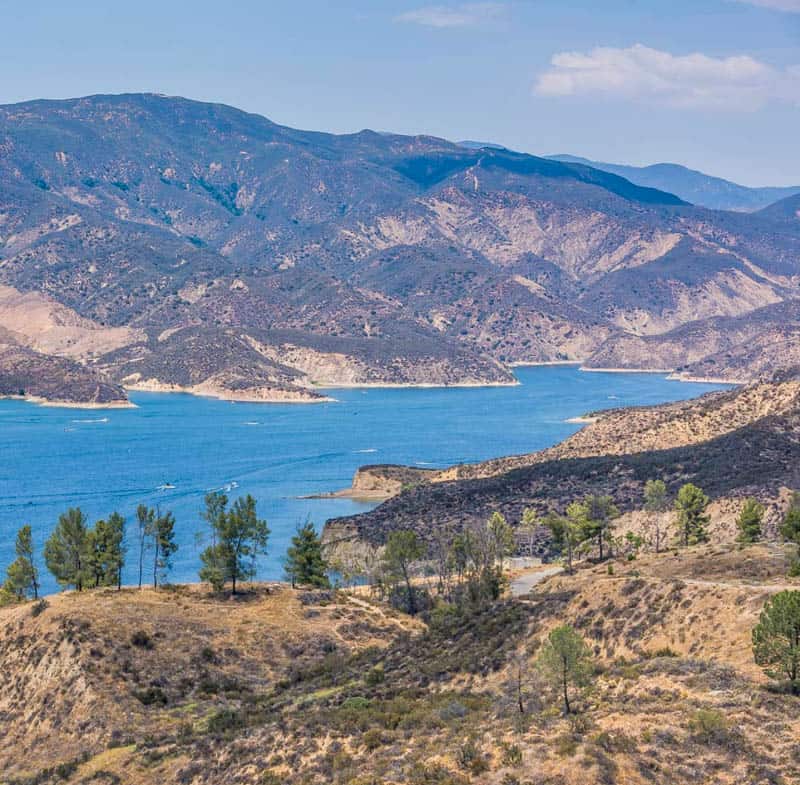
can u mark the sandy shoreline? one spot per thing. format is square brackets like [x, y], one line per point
[351, 493]
[680, 377]
[59, 404]
[626, 370]
[274, 396]
[421, 386]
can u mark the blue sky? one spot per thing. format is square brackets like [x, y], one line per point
[713, 84]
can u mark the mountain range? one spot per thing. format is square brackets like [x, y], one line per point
[155, 242]
[693, 186]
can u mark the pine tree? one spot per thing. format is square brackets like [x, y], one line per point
[565, 662]
[145, 519]
[239, 537]
[776, 638]
[501, 537]
[656, 504]
[600, 512]
[95, 554]
[749, 521]
[162, 535]
[305, 564]
[114, 555]
[691, 504]
[403, 548]
[65, 550]
[22, 578]
[790, 530]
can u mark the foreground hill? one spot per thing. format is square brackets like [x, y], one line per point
[207, 249]
[693, 186]
[291, 687]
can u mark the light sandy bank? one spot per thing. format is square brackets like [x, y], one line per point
[56, 403]
[266, 395]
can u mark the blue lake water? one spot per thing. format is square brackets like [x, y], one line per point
[101, 461]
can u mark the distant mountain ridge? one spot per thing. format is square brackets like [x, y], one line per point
[193, 246]
[692, 186]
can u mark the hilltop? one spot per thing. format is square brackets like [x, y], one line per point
[172, 244]
[298, 687]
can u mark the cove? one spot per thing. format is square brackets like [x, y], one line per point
[173, 449]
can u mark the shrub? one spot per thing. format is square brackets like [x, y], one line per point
[39, 607]
[225, 721]
[470, 757]
[709, 726]
[152, 696]
[512, 755]
[373, 738]
[141, 639]
[375, 676]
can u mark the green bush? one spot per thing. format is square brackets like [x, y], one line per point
[709, 726]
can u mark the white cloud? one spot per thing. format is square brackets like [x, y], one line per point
[689, 81]
[441, 16]
[791, 6]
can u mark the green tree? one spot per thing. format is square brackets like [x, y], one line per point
[501, 537]
[567, 531]
[776, 638]
[162, 535]
[145, 519]
[656, 505]
[114, 554]
[750, 521]
[305, 563]
[22, 578]
[65, 549]
[691, 504]
[526, 530]
[565, 662]
[403, 549]
[239, 537]
[790, 530]
[94, 558]
[600, 513]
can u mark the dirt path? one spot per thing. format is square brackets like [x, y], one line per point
[522, 584]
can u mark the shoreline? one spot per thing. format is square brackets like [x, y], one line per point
[585, 369]
[56, 403]
[542, 363]
[680, 377]
[411, 385]
[229, 396]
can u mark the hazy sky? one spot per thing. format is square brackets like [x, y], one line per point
[713, 84]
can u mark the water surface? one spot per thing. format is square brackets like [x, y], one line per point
[52, 458]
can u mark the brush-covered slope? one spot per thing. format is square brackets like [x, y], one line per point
[378, 258]
[180, 687]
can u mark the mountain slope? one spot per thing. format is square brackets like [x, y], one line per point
[733, 445]
[693, 186]
[230, 255]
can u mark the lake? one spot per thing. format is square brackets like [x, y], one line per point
[106, 460]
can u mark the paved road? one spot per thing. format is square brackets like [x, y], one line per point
[522, 584]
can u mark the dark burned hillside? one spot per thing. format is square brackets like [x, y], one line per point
[758, 457]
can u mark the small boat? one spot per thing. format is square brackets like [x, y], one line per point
[167, 486]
